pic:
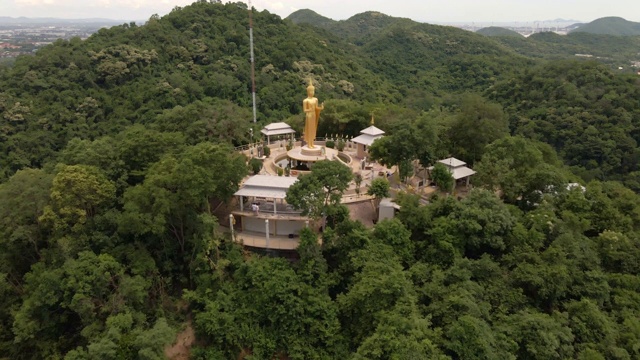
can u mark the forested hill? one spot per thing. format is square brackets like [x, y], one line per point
[497, 31]
[431, 59]
[610, 26]
[307, 16]
[193, 63]
[189, 71]
[355, 28]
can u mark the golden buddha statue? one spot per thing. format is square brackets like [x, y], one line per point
[312, 114]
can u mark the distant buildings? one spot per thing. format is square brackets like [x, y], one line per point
[6, 45]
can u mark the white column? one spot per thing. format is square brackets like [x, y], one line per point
[241, 203]
[275, 205]
[231, 223]
[266, 225]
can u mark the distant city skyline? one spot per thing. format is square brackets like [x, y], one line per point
[452, 11]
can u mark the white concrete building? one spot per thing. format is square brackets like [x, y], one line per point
[457, 168]
[365, 139]
[263, 214]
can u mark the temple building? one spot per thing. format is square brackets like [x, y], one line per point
[366, 138]
[263, 219]
[277, 130]
[458, 169]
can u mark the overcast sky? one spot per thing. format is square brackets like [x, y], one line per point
[421, 10]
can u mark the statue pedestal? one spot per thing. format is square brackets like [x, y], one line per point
[307, 151]
[311, 155]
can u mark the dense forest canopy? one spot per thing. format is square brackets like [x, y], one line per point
[497, 31]
[114, 151]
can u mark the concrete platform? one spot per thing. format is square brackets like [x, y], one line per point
[306, 154]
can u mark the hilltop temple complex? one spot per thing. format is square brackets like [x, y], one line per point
[260, 217]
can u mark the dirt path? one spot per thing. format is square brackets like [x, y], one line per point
[180, 349]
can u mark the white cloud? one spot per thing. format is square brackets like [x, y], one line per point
[276, 5]
[38, 2]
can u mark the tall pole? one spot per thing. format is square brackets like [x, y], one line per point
[253, 62]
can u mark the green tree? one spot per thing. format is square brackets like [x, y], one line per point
[478, 124]
[472, 338]
[401, 334]
[23, 200]
[379, 286]
[139, 148]
[272, 311]
[442, 177]
[323, 187]
[379, 189]
[175, 191]
[541, 336]
[517, 168]
[393, 233]
[78, 194]
[357, 179]
[76, 300]
[255, 165]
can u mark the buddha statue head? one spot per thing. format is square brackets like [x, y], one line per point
[310, 89]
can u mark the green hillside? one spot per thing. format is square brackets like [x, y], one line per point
[306, 16]
[194, 61]
[439, 59]
[611, 26]
[435, 59]
[366, 25]
[610, 49]
[357, 28]
[497, 31]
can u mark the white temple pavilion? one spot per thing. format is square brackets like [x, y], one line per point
[277, 129]
[457, 168]
[365, 139]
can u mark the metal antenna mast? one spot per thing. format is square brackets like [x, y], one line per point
[253, 62]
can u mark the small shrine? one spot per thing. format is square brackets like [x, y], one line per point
[458, 169]
[366, 138]
[277, 130]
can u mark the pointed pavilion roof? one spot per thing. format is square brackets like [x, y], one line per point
[368, 135]
[278, 128]
[372, 130]
[457, 168]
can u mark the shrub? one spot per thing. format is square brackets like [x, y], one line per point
[266, 151]
[330, 144]
[255, 165]
[340, 145]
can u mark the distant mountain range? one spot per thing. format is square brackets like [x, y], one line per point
[610, 26]
[361, 26]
